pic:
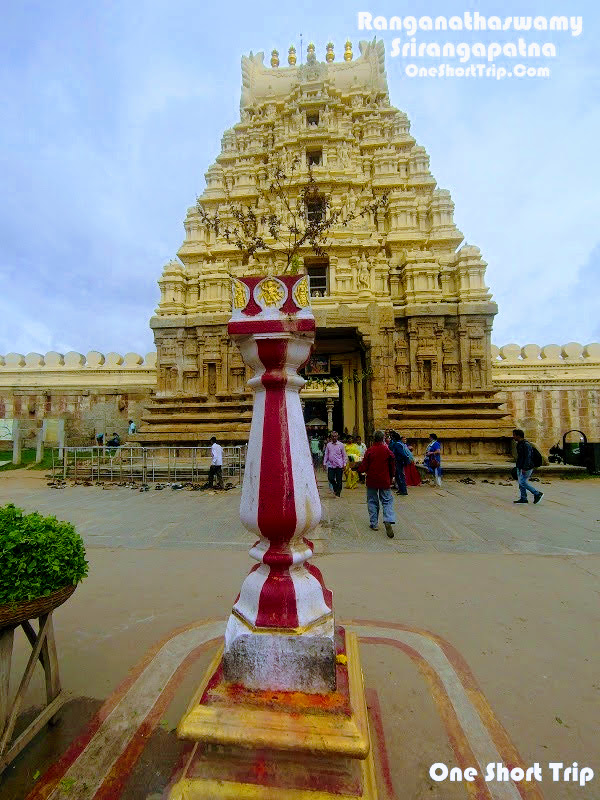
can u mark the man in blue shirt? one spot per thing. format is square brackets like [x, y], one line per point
[402, 456]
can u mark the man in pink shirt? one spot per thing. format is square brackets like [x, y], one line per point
[334, 460]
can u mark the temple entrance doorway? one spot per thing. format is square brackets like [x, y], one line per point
[335, 390]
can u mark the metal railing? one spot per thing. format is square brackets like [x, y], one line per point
[144, 464]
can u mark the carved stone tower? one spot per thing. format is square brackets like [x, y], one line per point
[402, 311]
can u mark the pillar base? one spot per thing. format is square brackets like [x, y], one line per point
[263, 745]
[286, 660]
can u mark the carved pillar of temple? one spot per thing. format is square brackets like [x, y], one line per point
[329, 406]
[280, 635]
[438, 376]
[487, 362]
[179, 363]
[413, 343]
[463, 340]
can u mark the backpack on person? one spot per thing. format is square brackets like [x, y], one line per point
[536, 457]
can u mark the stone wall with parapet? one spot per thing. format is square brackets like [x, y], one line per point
[547, 390]
[551, 362]
[93, 393]
[550, 390]
[76, 370]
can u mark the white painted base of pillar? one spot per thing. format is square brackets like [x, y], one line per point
[280, 661]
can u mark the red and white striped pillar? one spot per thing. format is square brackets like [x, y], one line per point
[280, 634]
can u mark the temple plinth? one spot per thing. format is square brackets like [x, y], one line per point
[281, 711]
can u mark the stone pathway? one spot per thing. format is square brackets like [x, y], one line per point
[467, 570]
[459, 518]
[100, 762]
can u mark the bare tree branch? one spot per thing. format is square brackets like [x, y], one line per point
[290, 228]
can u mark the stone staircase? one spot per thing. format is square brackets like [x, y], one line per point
[188, 421]
[474, 428]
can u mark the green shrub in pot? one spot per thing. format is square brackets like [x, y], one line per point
[38, 555]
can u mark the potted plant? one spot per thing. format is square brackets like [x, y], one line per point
[41, 562]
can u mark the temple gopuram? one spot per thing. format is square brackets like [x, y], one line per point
[403, 313]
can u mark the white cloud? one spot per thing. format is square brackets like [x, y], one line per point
[526, 184]
[112, 116]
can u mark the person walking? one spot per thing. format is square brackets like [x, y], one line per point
[132, 428]
[315, 450]
[325, 443]
[527, 459]
[334, 460]
[379, 466]
[216, 466]
[354, 456]
[433, 458]
[402, 457]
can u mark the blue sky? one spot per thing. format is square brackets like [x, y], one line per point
[112, 112]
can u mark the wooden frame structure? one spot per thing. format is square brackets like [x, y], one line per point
[43, 648]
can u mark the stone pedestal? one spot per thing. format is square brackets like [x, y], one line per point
[281, 711]
[265, 745]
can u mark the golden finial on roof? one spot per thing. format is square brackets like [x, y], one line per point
[329, 54]
[311, 56]
[275, 58]
[348, 51]
[292, 56]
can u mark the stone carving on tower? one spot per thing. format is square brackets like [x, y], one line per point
[398, 294]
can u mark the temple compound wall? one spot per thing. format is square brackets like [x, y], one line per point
[546, 390]
[550, 390]
[94, 394]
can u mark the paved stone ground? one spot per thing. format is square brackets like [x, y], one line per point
[459, 518]
[513, 589]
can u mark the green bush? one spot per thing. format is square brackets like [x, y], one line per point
[38, 555]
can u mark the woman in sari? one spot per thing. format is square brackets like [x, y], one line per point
[354, 456]
[411, 473]
[433, 459]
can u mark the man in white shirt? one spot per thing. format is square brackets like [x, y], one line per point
[361, 446]
[216, 467]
